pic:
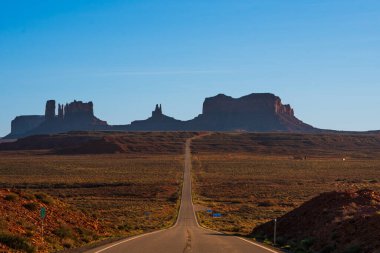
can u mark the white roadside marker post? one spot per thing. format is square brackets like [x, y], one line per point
[275, 230]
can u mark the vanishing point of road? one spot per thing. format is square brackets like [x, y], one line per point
[186, 235]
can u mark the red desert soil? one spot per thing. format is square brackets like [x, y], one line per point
[331, 222]
[20, 223]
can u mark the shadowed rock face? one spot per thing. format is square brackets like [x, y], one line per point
[263, 112]
[23, 124]
[73, 116]
[78, 110]
[251, 104]
[255, 112]
[157, 122]
[157, 113]
[50, 110]
[76, 116]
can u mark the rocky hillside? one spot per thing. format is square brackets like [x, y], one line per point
[20, 223]
[331, 222]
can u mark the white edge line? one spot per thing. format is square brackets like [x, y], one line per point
[154, 232]
[258, 245]
[139, 236]
[127, 240]
[196, 220]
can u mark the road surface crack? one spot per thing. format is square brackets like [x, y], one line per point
[187, 248]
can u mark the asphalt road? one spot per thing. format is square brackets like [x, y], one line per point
[186, 235]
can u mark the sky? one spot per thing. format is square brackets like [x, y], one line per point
[320, 56]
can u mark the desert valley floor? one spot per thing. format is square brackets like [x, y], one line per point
[105, 186]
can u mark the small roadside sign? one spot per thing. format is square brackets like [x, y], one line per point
[43, 213]
[147, 215]
[216, 215]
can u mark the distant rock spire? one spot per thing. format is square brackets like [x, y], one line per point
[60, 111]
[157, 111]
[50, 110]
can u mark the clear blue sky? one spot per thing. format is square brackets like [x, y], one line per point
[321, 56]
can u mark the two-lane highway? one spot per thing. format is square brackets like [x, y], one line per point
[186, 235]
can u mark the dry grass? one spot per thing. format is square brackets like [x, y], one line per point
[118, 189]
[20, 223]
[249, 190]
[134, 191]
[343, 145]
[137, 190]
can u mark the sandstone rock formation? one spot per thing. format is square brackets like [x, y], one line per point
[23, 124]
[256, 112]
[157, 122]
[157, 111]
[71, 117]
[75, 116]
[78, 109]
[50, 110]
[261, 112]
[60, 111]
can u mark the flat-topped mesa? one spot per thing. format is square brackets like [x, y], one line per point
[256, 103]
[254, 112]
[23, 124]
